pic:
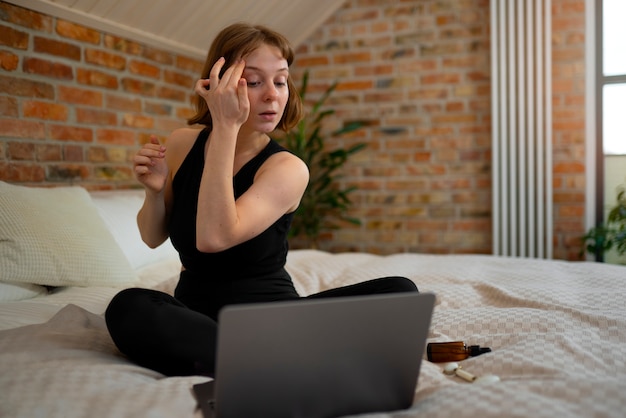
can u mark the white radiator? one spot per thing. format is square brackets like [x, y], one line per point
[521, 127]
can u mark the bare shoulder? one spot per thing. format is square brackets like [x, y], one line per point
[182, 138]
[178, 145]
[288, 165]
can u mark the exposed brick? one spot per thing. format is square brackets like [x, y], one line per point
[77, 95]
[26, 172]
[144, 69]
[73, 153]
[70, 133]
[144, 88]
[67, 172]
[49, 152]
[96, 78]
[45, 110]
[24, 17]
[8, 61]
[155, 108]
[26, 88]
[48, 68]
[97, 155]
[158, 55]
[105, 59]
[77, 32]
[19, 128]
[113, 173]
[13, 38]
[171, 94]
[189, 64]
[115, 137]
[58, 48]
[179, 79]
[21, 151]
[8, 106]
[96, 117]
[117, 154]
[137, 121]
[125, 103]
[123, 45]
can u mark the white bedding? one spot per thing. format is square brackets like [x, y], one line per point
[557, 330]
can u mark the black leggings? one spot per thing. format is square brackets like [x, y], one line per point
[157, 331]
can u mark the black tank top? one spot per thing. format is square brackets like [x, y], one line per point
[249, 272]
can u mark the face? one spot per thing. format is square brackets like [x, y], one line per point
[266, 73]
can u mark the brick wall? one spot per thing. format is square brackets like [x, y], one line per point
[75, 104]
[418, 72]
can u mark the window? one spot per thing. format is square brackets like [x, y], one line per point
[612, 78]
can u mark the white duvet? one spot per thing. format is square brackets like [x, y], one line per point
[557, 330]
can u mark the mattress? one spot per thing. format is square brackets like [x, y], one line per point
[557, 331]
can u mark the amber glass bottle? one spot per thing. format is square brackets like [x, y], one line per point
[453, 351]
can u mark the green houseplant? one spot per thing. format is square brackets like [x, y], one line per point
[611, 234]
[324, 202]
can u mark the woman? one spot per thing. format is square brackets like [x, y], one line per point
[225, 195]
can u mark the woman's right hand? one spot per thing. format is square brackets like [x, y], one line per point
[150, 166]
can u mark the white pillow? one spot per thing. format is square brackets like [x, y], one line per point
[16, 291]
[118, 209]
[55, 237]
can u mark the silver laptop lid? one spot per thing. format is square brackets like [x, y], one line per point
[321, 357]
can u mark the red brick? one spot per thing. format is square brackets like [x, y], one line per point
[58, 48]
[312, 61]
[77, 32]
[123, 45]
[22, 172]
[8, 106]
[13, 38]
[140, 87]
[171, 94]
[189, 64]
[8, 61]
[26, 88]
[138, 121]
[49, 152]
[73, 153]
[21, 151]
[71, 133]
[96, 117]
[144, 69]
[77, 95]
[48, 68]
[19, 128]
[158, 55]
[125, 103]
[45, 110]
[26, 18]
[352, 57]
[179, 79]
[105, 59]
[97, 78]
[115, 136]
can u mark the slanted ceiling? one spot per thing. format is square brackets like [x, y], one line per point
[187, 26]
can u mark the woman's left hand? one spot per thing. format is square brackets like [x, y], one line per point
[227, 98]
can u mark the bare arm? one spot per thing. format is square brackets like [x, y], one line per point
[155, 166]
[222, 221]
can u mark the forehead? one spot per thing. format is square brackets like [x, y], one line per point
[266, 58]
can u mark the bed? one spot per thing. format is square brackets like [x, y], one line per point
[557, 329]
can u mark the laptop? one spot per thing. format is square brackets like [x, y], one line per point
[318, 357]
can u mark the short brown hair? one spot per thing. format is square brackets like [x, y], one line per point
[236, 41]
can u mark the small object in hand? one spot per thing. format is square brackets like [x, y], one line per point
[453, 351]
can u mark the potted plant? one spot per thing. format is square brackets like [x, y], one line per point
[612, 234]
[324, 202]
